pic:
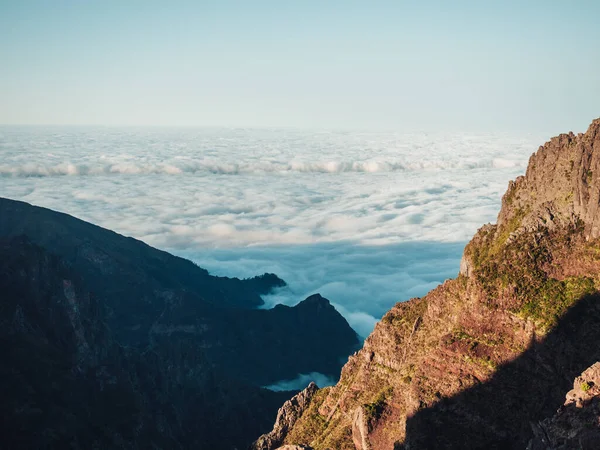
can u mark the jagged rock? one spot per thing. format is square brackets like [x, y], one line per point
[287, 416]
[360, 430]
[560, 182]
[558, 189]
[585, 387]
[465, 267]
[481, 357]
[576, 425]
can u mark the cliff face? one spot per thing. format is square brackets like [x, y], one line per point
[560, 185]
[56, 352]
[478, 359]
[287, 417]
[109, 343]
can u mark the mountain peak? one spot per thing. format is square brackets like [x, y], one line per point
[594, 127]
[560, 184]
[315, 299]
[558, 191]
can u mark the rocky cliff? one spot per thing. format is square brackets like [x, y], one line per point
[480, 358]
[109, 343]
[287, 417]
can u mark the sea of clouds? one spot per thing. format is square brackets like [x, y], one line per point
[366, 219]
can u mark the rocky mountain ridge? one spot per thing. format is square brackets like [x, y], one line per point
[287, 417]
[481, 357]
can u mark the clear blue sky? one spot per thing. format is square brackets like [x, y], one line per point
[458, 65]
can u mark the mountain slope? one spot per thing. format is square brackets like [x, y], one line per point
[134, 265]
[109, 343]
[65, 382]
[153, 297]
[479, 358]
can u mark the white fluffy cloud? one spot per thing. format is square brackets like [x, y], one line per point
[366, 219]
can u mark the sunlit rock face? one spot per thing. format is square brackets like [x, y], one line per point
[287, 416]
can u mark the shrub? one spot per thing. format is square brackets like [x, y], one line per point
[374, 409]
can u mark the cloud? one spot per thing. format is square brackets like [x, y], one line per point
[214, 167]
[361, 281]
[366, 219]
[302, 381]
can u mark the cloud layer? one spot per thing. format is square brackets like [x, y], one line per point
[366, 219]
[362, 281]
[301, 381]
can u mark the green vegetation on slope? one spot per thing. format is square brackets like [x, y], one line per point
[507, 262]
[312, 422]
[374, 409]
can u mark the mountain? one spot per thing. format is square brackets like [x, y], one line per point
[482, 357]
[136, 270]
[110, 343]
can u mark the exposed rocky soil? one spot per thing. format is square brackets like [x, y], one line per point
[480, 358]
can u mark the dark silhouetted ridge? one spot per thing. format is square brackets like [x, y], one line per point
[110, 343]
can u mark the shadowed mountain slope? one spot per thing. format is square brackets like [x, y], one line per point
[114, 344]
[66, 383]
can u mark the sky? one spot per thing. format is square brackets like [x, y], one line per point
[394, 65]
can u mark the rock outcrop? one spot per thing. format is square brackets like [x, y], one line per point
[559, 188]
[98, 328]
[560, 185]
[481, 357]
[287, 416]
[576, 425]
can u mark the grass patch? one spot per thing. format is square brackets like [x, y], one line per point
[494, 240]
[462, 335]
[519, 266]
[311, 423]
[554, 298]
[409, 313]
[374, 409]
[487, 362]
[385, 368]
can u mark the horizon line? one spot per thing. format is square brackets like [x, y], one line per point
[323, 129]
